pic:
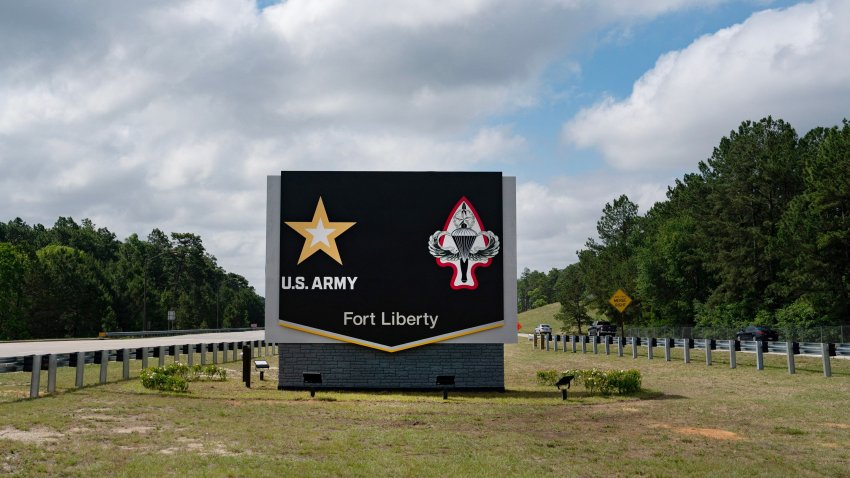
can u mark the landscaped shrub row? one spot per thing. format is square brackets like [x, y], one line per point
[606, 382]
[175, 377]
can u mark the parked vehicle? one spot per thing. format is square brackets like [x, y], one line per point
[602, 328]
[543, 329]
[757, 332]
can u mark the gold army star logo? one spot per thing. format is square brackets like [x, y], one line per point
[320, 234]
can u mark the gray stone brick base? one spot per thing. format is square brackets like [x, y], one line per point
[353, 367]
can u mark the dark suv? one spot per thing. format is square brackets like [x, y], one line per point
[757, 332]
[601, 328]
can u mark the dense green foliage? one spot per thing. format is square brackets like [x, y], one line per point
[761, 234]
[75, 280]
[175, 377]
[606, 382]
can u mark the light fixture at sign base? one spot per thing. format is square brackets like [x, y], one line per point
[445, 381]
[312, 379]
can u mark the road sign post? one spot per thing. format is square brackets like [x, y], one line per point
[620, 301]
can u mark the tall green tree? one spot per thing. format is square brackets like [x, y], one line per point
[14, 302]
[752, 176]
[69, 295]
[77, 279]
[610, 262]
[815, 233]
[570, 292]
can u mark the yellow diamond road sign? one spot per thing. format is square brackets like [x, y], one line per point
[620, 300]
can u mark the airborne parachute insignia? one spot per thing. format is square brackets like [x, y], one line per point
[468, 248]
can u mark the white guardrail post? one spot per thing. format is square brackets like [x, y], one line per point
[104, 363]
[81, 367]
[125, 362]
[733, 348]
[51, 373]
[36, 376]
[790, 353]
[827, 368]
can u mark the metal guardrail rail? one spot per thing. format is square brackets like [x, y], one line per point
[166, 333]
[758, 347]
[50, 362]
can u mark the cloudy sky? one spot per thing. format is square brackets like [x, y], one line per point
[171, 114]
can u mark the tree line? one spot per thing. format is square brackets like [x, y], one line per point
[75, 280]
[760, 234]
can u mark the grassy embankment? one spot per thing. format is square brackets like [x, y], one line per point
[546, 315]
[693, 420]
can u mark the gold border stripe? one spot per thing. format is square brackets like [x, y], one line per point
[343, 338]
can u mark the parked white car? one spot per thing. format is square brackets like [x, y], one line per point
[543, 329]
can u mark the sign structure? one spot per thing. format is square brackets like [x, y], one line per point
[620, 300]
[390, 260]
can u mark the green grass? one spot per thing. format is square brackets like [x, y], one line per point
[546, 315]
[692, 420]
[541, 315]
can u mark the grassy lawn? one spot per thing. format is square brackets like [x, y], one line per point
[546, 315]
[541, 315]
[692, 420]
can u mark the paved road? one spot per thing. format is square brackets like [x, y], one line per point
[18, 349]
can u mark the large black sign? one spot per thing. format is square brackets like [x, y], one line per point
[391, 260]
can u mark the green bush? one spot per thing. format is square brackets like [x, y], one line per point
[165, 379]
[175, 377]
[548, 377]
[207, 372]
[605, 382]
[625, 382]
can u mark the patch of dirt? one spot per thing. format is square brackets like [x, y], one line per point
[78, 430]
[92, 410]
[842, 426]
[99, 418]
[14, 393]
[128, 430]
[714, 433]
[192, 446]
[35, 435]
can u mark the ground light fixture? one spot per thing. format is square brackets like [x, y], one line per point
[564, 382]
[311, 379]
[445, 381]
[261, 366]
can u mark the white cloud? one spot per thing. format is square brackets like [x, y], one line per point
[170, 114]
[554, 220]
[791, 64]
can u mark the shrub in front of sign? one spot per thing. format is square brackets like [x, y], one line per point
[171, 378]
[605, 382]
[175, 377]
[207, 372]
[548, 377]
